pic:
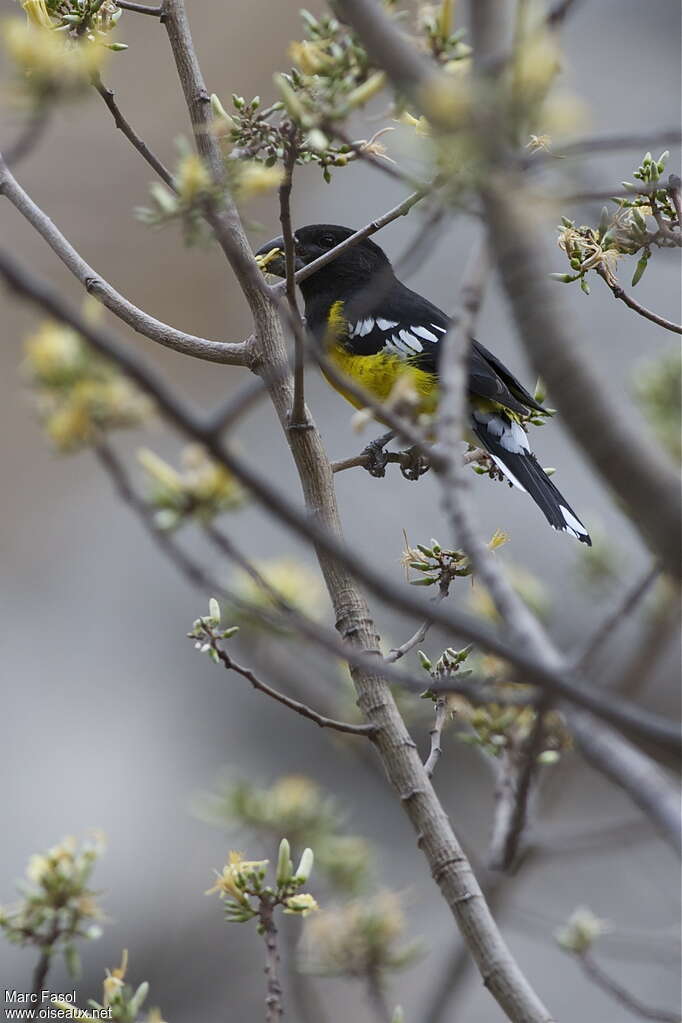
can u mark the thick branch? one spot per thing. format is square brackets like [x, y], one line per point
[236, 354]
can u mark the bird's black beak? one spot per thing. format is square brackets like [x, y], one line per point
[270, 257]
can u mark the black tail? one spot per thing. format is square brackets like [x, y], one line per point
[506, 442]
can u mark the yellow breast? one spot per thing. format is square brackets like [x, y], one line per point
[378, 373]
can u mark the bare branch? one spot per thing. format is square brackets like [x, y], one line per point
[401, 210]
[512, 795]
[295, 705]
[299, 416]
[629, 1001]
[623, 608]
[128, 5]
[143, 149]
[436, 732]
[236, 354]
[633, 304]
[222, 217]
[30, 135]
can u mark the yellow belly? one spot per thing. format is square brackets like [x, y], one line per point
[379, 374]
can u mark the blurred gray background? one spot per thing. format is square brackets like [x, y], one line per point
[110, 718]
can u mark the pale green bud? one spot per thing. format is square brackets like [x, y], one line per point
[284, 867]
[305, 866]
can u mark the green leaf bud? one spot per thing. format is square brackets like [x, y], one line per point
[424, 660]
[284, 865]
[305, 865]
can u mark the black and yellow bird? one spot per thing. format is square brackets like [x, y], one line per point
[375, 330]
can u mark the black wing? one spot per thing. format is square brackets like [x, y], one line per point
[408, 325]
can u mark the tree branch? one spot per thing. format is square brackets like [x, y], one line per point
[440, 717]
[623, 608]
[143, 149]
[235, 354]
[287, 701]
[128, 5]
[30, 135]
[298, 417]
[629, 1001]
[633, 304]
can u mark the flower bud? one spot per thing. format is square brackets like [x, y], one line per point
[305, 866]
[284, 866]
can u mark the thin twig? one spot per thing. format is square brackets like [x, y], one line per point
[401, 210]
[298, 417]
[511, 810]
[30, 135]
[143, 149]
[618, 614]
[633, 304]
[300, 708]
[629, 1001]
[128, 5]
[436, 733]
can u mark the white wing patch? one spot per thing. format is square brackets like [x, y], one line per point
[411, 341]
[397, 344]
[386, 324]
[423, 332]
[443, 330]
[362, 327]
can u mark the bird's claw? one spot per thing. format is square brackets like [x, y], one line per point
[375, 458]
[413, 464]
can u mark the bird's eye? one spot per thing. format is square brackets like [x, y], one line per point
[328, 241]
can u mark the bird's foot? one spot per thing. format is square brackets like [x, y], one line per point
[413, 463]
[375, 459]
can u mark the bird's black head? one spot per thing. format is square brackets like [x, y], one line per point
[349, 271]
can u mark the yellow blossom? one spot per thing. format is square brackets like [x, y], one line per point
[37, 13]
[38, 866]
[366, 91]
[255, 179]
[498, 539]
[302, 904]
[235, 876]
[193, 179]
[310, 57]
[159, 470]
[293, 582]
[446, 101]
[420, 124]
[113, 981]
[48, 58]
